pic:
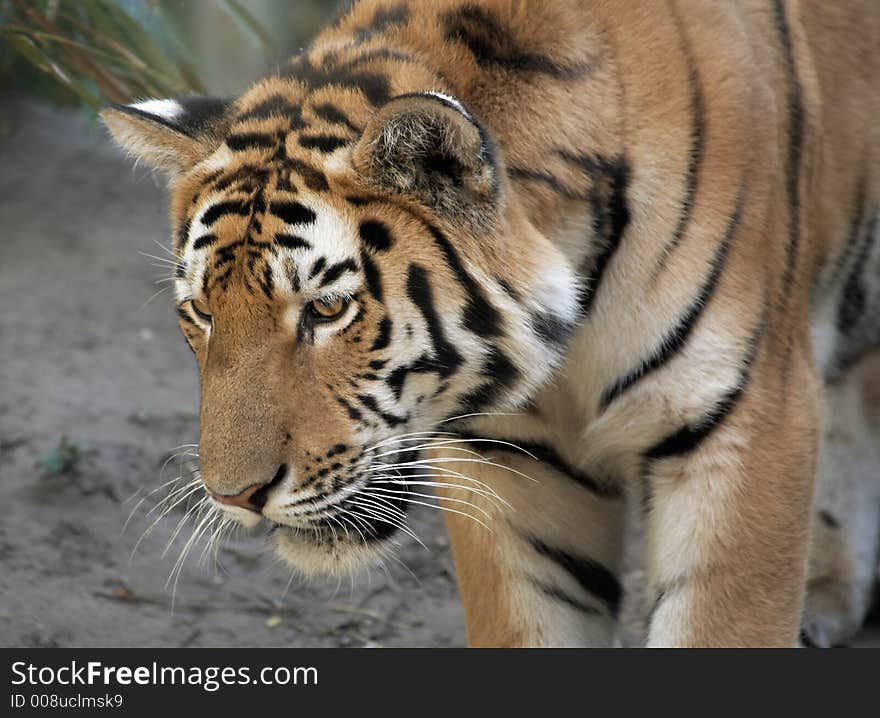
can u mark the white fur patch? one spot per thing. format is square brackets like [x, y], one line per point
[333, 237]
[168, 110]
[450, 100]
[216, 161]
[246, 518]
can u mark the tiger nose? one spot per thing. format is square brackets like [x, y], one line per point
[254, 497]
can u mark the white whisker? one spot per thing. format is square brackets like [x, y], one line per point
[481, 413]
[406, 437]
[452, 460]
[370, 491]
[492, 496]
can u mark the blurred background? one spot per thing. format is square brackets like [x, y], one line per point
[90, 52]
[98, 392]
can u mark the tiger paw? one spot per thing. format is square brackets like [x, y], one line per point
[832, 615]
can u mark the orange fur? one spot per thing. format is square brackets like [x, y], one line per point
[623, 150]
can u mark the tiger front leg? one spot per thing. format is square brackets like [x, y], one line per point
[728, 516]
[537, 549]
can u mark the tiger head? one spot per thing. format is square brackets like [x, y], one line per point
[351, 272]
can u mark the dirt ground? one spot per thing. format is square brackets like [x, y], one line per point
[95, 376]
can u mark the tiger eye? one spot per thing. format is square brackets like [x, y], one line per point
[201, 309]
[329, 309]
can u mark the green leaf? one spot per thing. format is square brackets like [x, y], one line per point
[38, 58]
[117, 25]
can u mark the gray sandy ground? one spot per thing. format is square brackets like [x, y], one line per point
[84, 354]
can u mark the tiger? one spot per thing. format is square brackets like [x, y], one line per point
[557, 264]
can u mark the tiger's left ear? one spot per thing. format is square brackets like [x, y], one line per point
[169, 135]
[430, 147]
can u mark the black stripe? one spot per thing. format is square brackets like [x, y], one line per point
[204, 241]
[544, 177]
[795, 145]
[291, 241]
[223, 279]
[501, 374]
[697, 140]
[370, 402]
[383, 338]
[337, 449]
[322, 143]
[499, 368]
[317, 267]
[247, 176]
[181, 312]
[398, 376]
[375, 235]
[509, 289]
[853, 299]
[183, 233]
[677, 337]
[480, 316]
[384, 19]
[689, 437]
[375, 87]
[251, 141]
[312, 176]
[332, 114]
[353, 413]
[491, 44]
[227, 253]
[379, 53]
[609, 182]
[335, 271]
[373, 277]
[294, 278]
[592, 576]
[563, 597]
[418, 289]
[274, 106]
[292, 212]
[546, 455]
[552, 329]
[267, 281]
[221, 209]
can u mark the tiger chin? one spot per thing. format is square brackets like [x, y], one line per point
[532, 258]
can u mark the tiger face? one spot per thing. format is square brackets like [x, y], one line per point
[350, 277]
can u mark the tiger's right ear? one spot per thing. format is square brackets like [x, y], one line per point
[168, 135]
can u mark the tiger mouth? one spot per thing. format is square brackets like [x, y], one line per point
[324, 532]
[338, 542]
[346, 529]
[349, 519]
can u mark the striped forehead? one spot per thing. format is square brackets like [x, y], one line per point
[311, 249]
